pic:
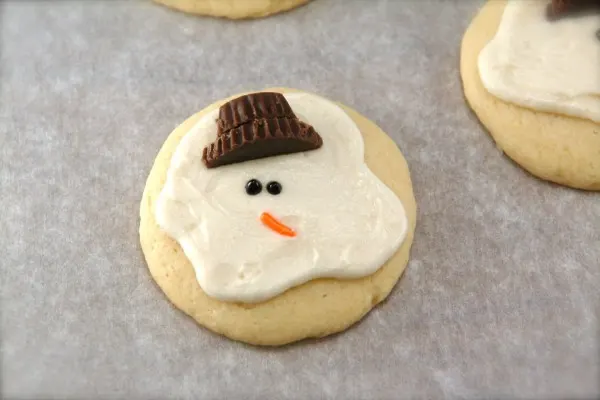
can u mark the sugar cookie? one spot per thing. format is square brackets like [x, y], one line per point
[277, 216]
[544, 112]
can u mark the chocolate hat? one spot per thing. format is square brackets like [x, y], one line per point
[560, 8]
[256, 126]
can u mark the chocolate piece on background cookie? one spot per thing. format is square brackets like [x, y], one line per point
[561, 8]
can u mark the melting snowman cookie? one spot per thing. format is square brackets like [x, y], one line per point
[276, 193]
[546, 64]
[276, 217]
[530, 72]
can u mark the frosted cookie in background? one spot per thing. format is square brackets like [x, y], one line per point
[531, 73]
[277, 216]
[233, 9]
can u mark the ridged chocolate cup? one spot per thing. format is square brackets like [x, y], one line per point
[558, 9]
[262, 105]
[261, 138]
[255, 126]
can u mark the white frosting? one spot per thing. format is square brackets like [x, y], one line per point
[548, 66]
[348, 222]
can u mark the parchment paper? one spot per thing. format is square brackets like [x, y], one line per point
[501, 297]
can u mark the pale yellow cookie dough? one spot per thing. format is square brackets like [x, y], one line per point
[554, 147]
[314, 309]
[233, 9]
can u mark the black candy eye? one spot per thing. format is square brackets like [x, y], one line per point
[253, 187]
[274, 187]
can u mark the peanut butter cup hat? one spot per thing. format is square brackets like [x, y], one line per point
[255, 126]
[560, 8]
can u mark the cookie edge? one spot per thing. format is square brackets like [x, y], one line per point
[230, 12]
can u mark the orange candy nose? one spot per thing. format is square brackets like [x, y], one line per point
[275, 225]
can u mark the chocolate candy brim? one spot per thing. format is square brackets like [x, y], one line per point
[259, 139]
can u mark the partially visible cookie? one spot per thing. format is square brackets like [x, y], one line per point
[554, 146]
[233, 9]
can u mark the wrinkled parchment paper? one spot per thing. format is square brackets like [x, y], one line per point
[501, 296]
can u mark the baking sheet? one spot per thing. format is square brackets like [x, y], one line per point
[500, 299]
